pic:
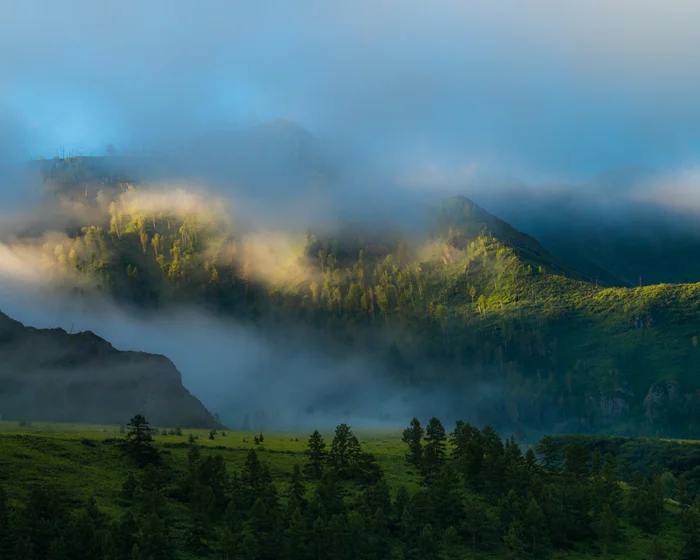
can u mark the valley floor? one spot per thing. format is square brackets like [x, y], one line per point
[88, 461]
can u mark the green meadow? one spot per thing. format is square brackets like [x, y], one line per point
[89, 461]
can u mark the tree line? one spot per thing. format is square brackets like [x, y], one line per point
[472, 493]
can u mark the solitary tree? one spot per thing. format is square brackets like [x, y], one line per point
[140, 441]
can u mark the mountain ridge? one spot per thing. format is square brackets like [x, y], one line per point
[51, 375]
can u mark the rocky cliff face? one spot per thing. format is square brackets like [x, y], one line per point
[50, 375]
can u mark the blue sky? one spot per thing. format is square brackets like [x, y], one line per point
[543, 89]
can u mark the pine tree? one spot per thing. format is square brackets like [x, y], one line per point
[469, 453]
[317, 454]
[296, 538]
[576, 459]
[548, 452]
[330, 493]
[297, 490]
[140, 441]
[435, 450]
[130, 487]
[345, 449]
[535, 526]
[413, 437]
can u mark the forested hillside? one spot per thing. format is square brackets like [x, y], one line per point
[473, 302]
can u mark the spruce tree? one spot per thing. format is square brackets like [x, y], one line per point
[316, 452]
[345, 449]
[435, 450]
[297, 490]
[296, 538]
[413, 437]
[548, 451]
[140, 440]
[535, 526]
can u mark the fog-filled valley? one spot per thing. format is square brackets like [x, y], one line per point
[349, 280]
[285, 302]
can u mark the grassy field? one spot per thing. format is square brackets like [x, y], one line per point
[86, 460]
[83, 460]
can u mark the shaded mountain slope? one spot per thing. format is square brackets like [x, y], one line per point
[50, 375]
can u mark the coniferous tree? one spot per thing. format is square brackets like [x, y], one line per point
[469, 453]
[316, 452]
[548, 451]
[413, 437]
[576, 460]
[434, 451]
[535, 526]
[297, 490]
[296, 537]
[344, 452]
[140, 440]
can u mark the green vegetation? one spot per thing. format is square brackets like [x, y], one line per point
[477, 303]
[74, 491]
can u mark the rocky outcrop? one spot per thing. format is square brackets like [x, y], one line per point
[613, 402]
[50, 375]
[661, 394]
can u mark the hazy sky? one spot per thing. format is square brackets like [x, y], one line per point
[536, 88]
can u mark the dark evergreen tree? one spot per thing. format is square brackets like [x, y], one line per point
[535, 527]
[297, 490]
[255, 479]
[317, 454]
[130, 487]
[345, 449]
[548, 450]
[140, 440]
[413, 437]
[469, 453]
[296, 538]
[576, 460]
[331, 494]
[434, 451]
